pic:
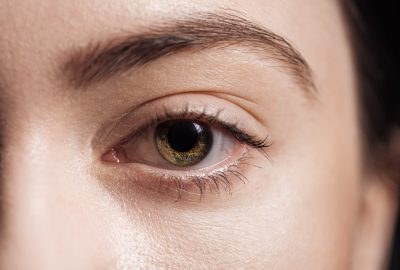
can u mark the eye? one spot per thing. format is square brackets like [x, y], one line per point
[186, 152]
[179, 144]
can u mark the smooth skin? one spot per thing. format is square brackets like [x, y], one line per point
[314, 205]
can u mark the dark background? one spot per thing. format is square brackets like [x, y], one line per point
[381, 22]
[376, 24]
[395, 260]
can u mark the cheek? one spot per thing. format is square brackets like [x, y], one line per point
[321, 192]
[318, 179]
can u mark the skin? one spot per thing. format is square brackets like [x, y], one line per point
[314, 205]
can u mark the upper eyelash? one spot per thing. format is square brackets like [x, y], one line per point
[232, 128]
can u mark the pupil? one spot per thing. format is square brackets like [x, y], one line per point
[183, 135]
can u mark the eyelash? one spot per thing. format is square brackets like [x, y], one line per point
[219, 178]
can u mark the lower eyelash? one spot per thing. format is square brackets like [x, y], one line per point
[218, 180]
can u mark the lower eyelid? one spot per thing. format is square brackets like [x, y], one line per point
[190, 186]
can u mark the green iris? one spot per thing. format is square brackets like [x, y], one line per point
[183, 142]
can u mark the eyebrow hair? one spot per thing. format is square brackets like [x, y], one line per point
[102, 60]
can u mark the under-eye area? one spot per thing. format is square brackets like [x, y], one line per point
[186, 149]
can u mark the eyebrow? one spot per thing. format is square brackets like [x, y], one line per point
[100, 61]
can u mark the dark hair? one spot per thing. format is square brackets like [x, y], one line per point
[376, 41]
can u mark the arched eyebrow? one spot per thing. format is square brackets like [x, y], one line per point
[100, 61]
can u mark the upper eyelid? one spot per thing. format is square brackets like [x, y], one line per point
[217, 94]
[212, 119]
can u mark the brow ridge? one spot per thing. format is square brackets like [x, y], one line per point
[100, 61]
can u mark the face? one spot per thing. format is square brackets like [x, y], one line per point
[184, 135]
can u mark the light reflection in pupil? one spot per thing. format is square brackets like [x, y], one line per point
[183, 135]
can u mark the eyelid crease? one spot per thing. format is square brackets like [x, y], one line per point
[217, 93]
